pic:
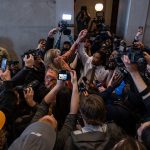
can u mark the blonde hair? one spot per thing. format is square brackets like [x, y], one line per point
[49, 57]
[4, 52]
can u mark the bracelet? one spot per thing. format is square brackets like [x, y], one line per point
[145, 91]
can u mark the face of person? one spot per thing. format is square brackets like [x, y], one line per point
[101, 89]
[112, 63]
[87, 44]
[96, 59]
[141, 128]
[50, 78]
[113, 55]
[37, 61]
[140, 30]
[58, 52]
[66, 46]
[42, 45]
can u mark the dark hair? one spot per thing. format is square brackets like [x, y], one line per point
[8, 102]
[41, 40]
[67, 42]
[62, 106]
[89, 40]
[103, 56]
[146, 136]
[83, 8]
[140, 27]
[129, 143]
[93, 109]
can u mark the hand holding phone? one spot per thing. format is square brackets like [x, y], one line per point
[63, 75]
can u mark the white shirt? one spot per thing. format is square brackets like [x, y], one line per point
[100, 73]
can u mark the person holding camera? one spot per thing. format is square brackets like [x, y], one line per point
[95, 133]
[144, 93]
[43, 126]
[83, 18]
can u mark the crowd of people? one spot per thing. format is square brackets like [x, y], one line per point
[91, 95]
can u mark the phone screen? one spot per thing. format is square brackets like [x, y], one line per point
[4, 64]
[120, 88]
[62, 76]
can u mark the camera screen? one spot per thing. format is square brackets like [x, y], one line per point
[62, 77]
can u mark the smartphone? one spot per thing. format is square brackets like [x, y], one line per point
[4, 64]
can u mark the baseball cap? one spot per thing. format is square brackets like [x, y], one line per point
[38, 135]
[2, 119]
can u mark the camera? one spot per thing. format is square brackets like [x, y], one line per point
[64, 75]
[82, 88]
[34, 84]
[63, 27]
[35, 53]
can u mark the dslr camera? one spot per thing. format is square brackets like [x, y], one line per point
[35, 53]
[34, 84]
[63, 27]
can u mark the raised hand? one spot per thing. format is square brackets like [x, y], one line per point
[147, 57]
[28, 95]
[52, 32]
[82, 35]
[130, 67]
[116, 80]
[29, 62]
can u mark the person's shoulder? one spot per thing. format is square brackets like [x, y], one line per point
[89, 60]
[115, 130]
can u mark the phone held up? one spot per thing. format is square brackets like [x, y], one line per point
[64, 75]
[4, 64]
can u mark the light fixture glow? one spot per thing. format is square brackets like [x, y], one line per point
[99, 7]
[66, 17]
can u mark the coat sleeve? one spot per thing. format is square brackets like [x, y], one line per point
[65, 132]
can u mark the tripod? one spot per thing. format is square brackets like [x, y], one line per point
[58, 42]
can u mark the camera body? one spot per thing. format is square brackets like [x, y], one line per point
[35, 53]
[34, 84]
[63, 27]
[64, 75]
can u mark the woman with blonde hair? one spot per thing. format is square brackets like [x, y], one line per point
[53, 60]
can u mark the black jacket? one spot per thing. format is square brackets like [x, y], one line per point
[95, 140]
